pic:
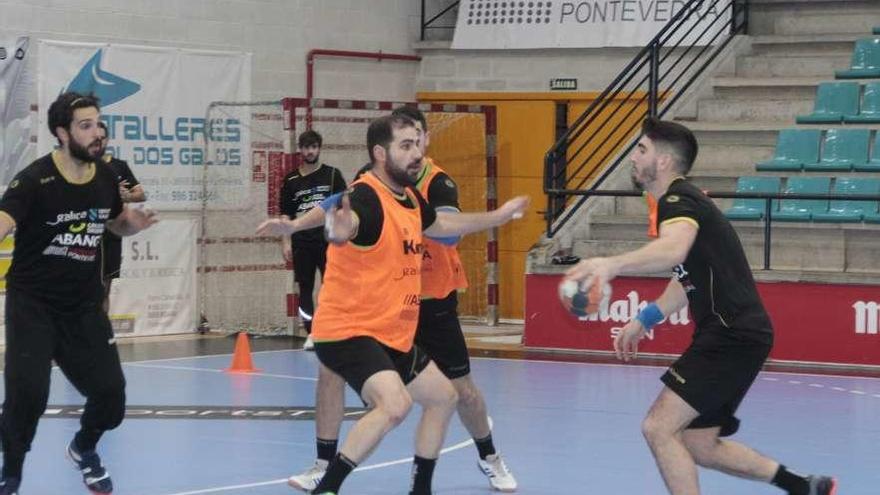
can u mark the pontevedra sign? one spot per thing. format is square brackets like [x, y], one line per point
[525, 24]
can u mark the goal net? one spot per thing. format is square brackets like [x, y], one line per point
[244, 283]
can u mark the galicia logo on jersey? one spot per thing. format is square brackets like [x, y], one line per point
[109, 88]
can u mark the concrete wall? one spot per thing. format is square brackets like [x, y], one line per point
[443, 69]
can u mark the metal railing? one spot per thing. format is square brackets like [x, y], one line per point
[431, 23]
[648, 86]
[768, 198]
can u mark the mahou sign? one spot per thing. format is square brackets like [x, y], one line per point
[818, 323]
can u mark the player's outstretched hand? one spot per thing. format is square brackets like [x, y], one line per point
[515, 208]
[142, 218]
[339, 222]
[274, 226]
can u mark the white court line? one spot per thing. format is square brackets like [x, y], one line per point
[549, 361]
[370, 467]
[205, 356]
[615, 365]
[209, 370]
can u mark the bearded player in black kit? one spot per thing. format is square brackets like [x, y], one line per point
[60, 206]
[302, 190]
[688, 421]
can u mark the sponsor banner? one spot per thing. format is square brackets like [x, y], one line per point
[818, 323]
[156, 291]
[154, 102]
[528, 24]
[16, 81]
[303, 413]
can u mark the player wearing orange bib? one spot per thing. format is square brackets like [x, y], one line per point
[366, 320]
[439, 334]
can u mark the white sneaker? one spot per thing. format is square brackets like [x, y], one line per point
[500, 477]
[308, 345]
[309, 480]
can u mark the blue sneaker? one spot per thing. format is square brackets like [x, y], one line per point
[9, 486]
[95, 477]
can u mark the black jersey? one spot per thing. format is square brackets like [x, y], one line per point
[300, 193]
[122, 172]
[442, 191]
[716, 275]
[365, 203]
[58, 230]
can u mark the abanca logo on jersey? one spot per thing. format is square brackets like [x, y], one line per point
[83, 234]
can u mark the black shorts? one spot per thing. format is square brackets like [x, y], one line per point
[308, 257]
[111, 256]
[439, 334]
[713, 376]
[358, 358]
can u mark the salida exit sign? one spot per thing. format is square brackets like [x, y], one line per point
[564, 83]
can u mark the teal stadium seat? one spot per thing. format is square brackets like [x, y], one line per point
[846, 210]
[794, 148]
[869, 109]
[877, 30]
[865, 61]
[834, 102]
[872, 217]
[801, 210]
[752, 209]
[873, 164]
[844, 149]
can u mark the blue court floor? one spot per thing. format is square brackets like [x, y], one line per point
[569, 428]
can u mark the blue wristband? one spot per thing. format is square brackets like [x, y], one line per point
[330, 201]
[650, 316]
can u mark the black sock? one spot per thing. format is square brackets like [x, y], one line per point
[793, 483]
[422, 472]
[326, 448]
[485, 446]
[13, 464]
[339, 468]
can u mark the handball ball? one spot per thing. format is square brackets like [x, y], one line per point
[583, 298]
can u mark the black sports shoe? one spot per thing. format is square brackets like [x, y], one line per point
[95, 477]
[565, 259]
[9, 486]
[822, 485]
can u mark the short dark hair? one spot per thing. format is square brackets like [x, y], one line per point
[309, 138]
[381, 131]
[413, 113]
[678, 140]
[61, 110]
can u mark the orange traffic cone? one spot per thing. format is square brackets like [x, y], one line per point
[241, 357]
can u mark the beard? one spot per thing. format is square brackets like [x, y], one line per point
[649, 175]
[81, 153]
[404, 176]
[313, 160]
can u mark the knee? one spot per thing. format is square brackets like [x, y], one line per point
[654, 430]
[469, 395]
[396, 408]
[115, 404]
[446, 397]
[111, 391]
